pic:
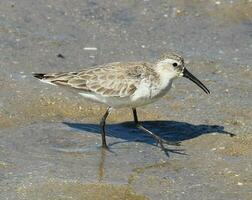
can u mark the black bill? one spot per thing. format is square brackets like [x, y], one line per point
[188, 75]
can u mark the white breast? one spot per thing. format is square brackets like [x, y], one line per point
[146, 93]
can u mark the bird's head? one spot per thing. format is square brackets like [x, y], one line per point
[173, 64]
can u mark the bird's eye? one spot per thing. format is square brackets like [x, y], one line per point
[175, 64]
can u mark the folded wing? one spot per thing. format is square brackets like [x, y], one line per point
[114, 79]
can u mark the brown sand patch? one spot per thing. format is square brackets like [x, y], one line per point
[174, 165]
[238, 112]
[205, 140]
[239, 146]
[6, 121]
[235, 12]
[176, 106]
[227, 12]
[235, 115]
[73, 190]
[50, 108]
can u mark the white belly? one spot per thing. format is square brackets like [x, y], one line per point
[143, 95]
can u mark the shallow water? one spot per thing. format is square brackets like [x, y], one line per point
[49, 137]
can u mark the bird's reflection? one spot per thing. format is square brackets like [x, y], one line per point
[101, 169]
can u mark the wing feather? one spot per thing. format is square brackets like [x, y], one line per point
[114, 79]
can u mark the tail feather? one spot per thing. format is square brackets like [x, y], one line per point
[57, 78]
[39, 75]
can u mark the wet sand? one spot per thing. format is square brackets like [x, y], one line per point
[50, 140]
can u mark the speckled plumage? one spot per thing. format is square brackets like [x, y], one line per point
[111, 80]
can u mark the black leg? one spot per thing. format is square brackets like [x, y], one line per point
[102, 124]
[135, 116]
[157, 138]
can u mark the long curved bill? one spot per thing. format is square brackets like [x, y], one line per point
[188, 75]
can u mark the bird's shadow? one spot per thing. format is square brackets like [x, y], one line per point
[173, 131]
